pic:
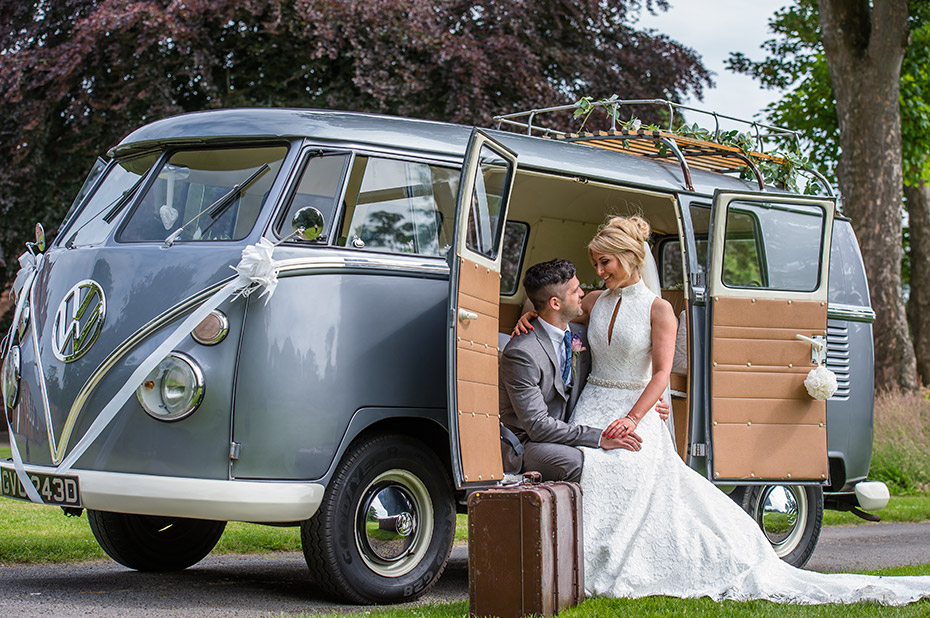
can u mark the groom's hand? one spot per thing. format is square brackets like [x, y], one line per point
[631, 442]
[662, 408]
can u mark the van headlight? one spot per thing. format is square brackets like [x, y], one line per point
[12, 366]
[173, 390]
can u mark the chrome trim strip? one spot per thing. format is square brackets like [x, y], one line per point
[851, 313]
[222, 500]
[294, 266]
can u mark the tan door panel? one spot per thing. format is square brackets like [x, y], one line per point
[477, 367]
[773, 411]
[481, 461]
[771, 452]
[764, 424]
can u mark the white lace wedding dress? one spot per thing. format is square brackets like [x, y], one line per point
[653, 526]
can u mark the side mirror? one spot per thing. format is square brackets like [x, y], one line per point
[308, 223]
[39, 245]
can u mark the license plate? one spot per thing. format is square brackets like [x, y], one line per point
[53, 488]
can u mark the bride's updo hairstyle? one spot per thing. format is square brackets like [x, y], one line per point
[623, 237]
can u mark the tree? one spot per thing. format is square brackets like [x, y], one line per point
[860, 67]
[77, 75]
[915, 127]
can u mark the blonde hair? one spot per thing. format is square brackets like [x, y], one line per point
[624, 238]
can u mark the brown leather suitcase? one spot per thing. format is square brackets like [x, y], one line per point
[525, 549]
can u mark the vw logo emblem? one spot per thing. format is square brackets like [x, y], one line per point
[78, 321]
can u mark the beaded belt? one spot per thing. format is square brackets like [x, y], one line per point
[630, 386]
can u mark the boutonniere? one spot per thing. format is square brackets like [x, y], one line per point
[577, 349]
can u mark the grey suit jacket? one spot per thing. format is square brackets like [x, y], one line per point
[534, 403]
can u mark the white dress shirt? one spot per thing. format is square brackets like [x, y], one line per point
[557, 337]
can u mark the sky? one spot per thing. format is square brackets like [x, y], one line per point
[713, 29]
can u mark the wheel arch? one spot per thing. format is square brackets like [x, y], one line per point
[429, 425]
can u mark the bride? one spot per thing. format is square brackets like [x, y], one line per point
[652, 525]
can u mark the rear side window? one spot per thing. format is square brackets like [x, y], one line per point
[205, 195]
[399, 206]
[515, 235]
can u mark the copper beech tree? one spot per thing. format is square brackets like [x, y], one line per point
[77, 75]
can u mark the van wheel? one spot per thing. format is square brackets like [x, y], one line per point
[150, 543]
[384, 531]
[790, 517]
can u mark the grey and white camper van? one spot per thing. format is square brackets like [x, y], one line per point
[358, 401]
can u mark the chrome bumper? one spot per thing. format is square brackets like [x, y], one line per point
[221, 500]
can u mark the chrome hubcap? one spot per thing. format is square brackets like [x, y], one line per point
[782, 513]
[394, 523]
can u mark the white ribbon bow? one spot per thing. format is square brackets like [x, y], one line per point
[257, 269]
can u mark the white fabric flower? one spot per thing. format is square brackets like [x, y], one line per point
[820, 383]
[257, 269]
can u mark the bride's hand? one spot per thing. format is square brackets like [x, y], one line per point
[523, 324]
[621, 427]
[631, 442]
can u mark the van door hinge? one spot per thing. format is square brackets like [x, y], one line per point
[234, 448]
[699, 449]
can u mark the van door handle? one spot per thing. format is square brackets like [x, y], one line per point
[467, 315]
[818, 348]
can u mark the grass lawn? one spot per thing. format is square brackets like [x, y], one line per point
[661, 607]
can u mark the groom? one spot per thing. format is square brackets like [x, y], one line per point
[542, 374]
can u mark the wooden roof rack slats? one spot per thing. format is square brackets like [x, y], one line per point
[689, 152]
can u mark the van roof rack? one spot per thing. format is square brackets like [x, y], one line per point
[690, 152]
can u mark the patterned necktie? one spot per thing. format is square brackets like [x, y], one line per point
[567, 367]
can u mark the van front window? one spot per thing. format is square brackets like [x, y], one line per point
[205, 195]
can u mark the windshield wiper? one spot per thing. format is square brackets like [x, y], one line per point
[218, 207]
[112, 209]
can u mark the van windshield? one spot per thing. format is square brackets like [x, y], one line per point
[92, 226]
[189, 190]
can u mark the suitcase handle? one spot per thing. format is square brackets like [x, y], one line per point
[532, 476]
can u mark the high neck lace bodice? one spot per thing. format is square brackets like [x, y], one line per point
[628, 356]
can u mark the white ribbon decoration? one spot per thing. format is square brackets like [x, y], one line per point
[24, 279]
[28, 264]
[255, 269]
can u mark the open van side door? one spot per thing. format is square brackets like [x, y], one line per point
[474, 300]
[769, 261]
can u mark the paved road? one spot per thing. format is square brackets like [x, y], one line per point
[256, 586]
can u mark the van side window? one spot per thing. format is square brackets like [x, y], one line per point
[319, 186]
[195, 189]
[742, 251]
[700, 221]
[399, 206]
[771, 245]
[515, 234]
[670, 269]
[484, 222]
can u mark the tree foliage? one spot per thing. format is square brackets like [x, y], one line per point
[77, 75]
[795, 61]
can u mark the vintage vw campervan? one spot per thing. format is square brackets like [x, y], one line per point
[354, 394]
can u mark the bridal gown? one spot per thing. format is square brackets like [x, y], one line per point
[653, 526]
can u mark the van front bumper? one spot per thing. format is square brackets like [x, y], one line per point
[221, 500]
